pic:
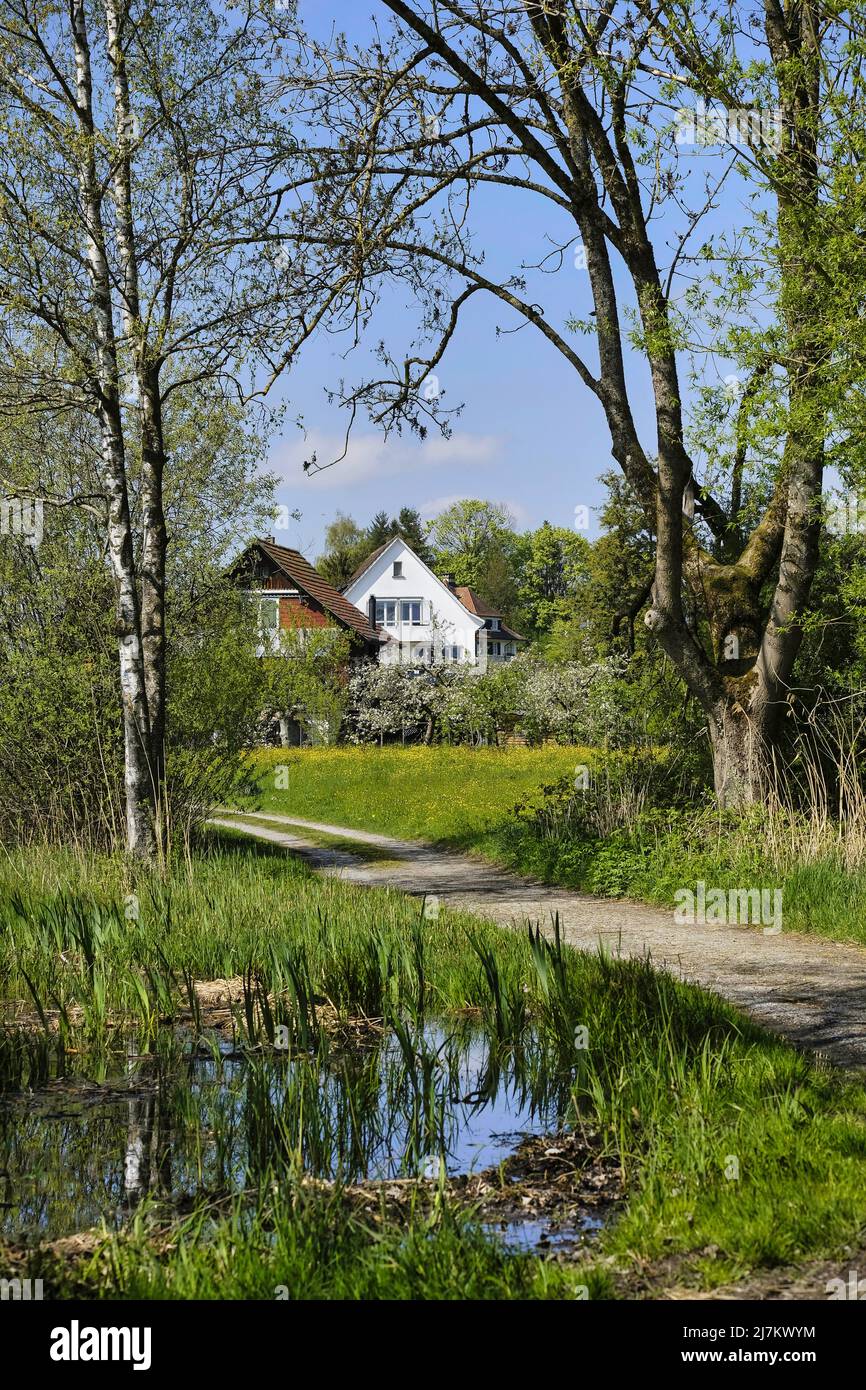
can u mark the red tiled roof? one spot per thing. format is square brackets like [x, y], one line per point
[301, 572]
[476, 605]
[481, 609]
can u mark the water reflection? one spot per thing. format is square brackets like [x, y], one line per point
[75, 1151]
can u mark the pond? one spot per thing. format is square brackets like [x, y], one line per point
[85, 1143]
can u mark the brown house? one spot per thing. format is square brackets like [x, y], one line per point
[292, 595]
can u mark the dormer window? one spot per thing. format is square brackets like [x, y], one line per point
[398, 569]
[495, 624]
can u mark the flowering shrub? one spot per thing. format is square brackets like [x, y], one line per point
[569, 702]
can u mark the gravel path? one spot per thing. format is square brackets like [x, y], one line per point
[809, 990]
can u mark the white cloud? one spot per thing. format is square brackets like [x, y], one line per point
[369, 456]
[462, 448]
[440, 504]
[521, 514]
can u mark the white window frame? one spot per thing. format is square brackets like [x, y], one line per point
[385, 604]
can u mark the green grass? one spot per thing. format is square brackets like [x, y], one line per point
[673, 1082]
[68, 949]
[303, 1247]
[465, 799]
[666, 850]
[437, 793]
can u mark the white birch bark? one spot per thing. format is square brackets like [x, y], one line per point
[138, 787]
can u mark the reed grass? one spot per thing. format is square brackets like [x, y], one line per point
[302, 1246]
[665, 1077]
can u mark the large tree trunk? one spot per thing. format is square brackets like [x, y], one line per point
[743, 690]
[742, 754]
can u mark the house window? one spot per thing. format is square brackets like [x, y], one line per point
[269, 615]
[386, 612]
[494, 624]
[495, 648]
[398, 569]
[454, 653]
[391, 611]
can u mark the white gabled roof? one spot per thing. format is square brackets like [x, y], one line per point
[399, 542]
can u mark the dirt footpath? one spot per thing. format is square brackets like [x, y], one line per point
[809, 990]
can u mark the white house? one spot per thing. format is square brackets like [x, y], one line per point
[427, 621]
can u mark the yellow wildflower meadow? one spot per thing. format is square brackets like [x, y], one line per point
[438, 792]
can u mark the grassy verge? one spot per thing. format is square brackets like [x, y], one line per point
[439, 793]
[666, 851]
[735, 1151]
[519, 807]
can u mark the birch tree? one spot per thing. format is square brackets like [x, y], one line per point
[136, 194]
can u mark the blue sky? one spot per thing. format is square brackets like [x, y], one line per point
[530, 435]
